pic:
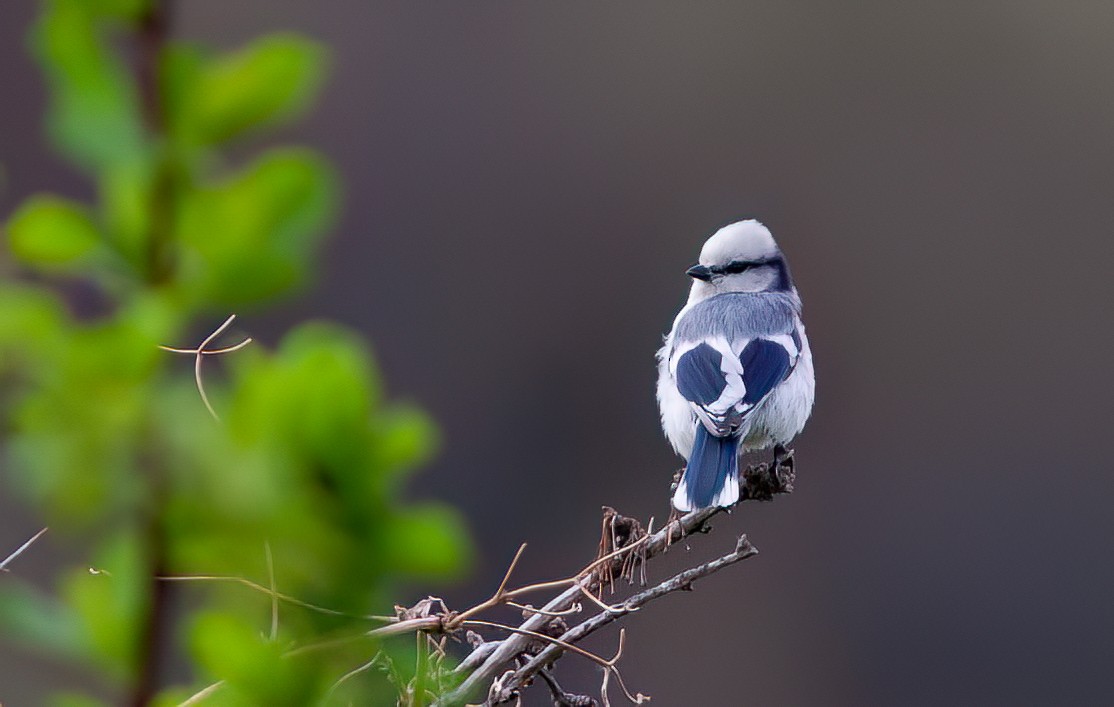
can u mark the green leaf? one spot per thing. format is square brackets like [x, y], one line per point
[231, 649]
[112, 603]
[126, 197]
[34, 618]
[250, 237]
[427, 540]
[48, 231]
[94, 115]
[328, 388]
[272, 79]
[179, 82]
[405, 436]
[30, 320]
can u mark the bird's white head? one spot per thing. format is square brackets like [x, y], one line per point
[740, 257]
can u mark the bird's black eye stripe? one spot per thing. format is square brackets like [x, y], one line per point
[737, 266]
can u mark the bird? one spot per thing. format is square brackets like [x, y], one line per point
[735, 373]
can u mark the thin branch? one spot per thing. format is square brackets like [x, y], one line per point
[636, 699]
[503, 595]
[323, 645]
[510, 569]
[527, 609]
[562, 698]
[200, 695]
[770, 480]
[624, 550]
[602, 662]
[510, 683]
[351, 674]
[479, 654]
[274, 591]
[678, 582]
[20, 549]
[514, 645]
[615, 609]
[209, 352]
[379, 660]
[201, 352]
[613, 669]
[425, 623]
[625, 547]
[309, 648]
[278, 596]
[496, 598]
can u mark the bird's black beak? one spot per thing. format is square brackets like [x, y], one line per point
[700, 272]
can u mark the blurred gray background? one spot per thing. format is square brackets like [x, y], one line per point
[526, 183]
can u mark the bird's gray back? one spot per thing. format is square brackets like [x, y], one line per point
[740, 315]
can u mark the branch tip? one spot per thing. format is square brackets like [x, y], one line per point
[201, 352]
[19, 550]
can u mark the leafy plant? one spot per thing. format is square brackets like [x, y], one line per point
[297, 488]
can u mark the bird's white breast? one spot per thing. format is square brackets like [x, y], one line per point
[782, 415]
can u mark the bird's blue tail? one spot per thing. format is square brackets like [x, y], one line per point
[712, 475]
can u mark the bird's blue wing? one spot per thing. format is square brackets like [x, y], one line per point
[765, 364]
[723, 387]
[700, 376]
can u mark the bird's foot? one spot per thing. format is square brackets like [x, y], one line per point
[676, 480]
[763, 481]
[674, 514]
[783, 469]
[674, 518]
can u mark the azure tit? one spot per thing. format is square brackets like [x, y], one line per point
[735, 373]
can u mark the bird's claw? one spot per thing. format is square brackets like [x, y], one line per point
[783, 460]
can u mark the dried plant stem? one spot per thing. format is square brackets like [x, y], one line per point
[514, 645]
[278, 596]
[200, 696]
[201, 352]
[19, 550]
[501, 669]
[680, 581]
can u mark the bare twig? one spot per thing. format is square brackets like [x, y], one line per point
[562, 698]
[480, 652]
[510, 683]
[513, 645]
[353, 673]
[425, 623]
[543, 636]
[201, 352]
[616, 609]
[20, 549]
[278, 596]
[200, 695]
[680, 581]
[496, 598]
[615, 558]
[613, 670]
[528, 609]
[274, 591]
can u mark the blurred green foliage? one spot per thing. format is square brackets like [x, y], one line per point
[105, 433]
